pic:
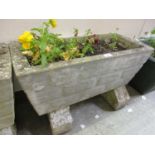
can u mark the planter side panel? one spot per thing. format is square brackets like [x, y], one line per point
[6, 96]
[54, 89]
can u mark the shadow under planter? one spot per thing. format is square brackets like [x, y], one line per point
[51, 90]
[144, 80]
[27, 120]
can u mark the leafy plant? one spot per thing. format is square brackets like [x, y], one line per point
[151, 42]
[71, 54]
[41, 46]
[113, 41]
[78, 47]
[71, 49]
[87, 43]
[113, 46]
[114, 37]
[153, 31]
[48, 44]
[44, 47]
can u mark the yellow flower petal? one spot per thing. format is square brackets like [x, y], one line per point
[29, 38]
[26, 45]
[21, 39]
[53, 22]
[25, 37]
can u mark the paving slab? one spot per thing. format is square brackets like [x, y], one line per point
[93, 116]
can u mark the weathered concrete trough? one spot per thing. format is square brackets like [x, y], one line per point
[62, 84]
[6, 89]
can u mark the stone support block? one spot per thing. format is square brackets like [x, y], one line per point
[117, 98]
[60, 121]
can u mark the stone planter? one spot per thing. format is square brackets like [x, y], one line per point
[144, 80]
[62, 84]
[6, 91]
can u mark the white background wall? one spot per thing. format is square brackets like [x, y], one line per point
[11, 29]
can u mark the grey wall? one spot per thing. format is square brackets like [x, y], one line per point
[10, 29]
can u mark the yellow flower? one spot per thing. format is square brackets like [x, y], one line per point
[26, 45]
[53, 22]
[26, 37]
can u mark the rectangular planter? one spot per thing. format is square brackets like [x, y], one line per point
[144, 80]
[6, 89]
[62, 84]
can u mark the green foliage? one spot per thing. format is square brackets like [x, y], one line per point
[151, 42]
[46, 47]
[87, 48]
[153, 31]
[76, 32]
[114, 37]
[113, 46]
[78, 47]
[113, 41]
[53, 48]
[48, 44]
[87, 43]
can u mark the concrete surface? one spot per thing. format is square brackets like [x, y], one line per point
[11, 130]
[93, 116]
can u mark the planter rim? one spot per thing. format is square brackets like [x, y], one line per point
[22, 66]
[142, 39]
